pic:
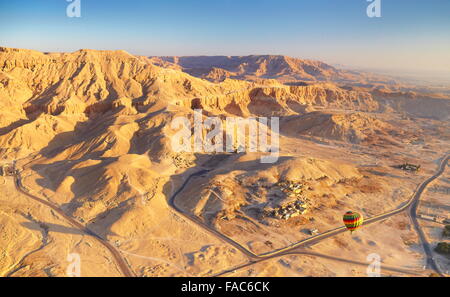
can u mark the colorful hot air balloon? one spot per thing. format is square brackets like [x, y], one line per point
[353, 220]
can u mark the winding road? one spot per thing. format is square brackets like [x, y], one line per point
[318, 255]
[411, 205]
[294, 249]
[413, 214]
[120, 261]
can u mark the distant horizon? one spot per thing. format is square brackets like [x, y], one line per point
[409, 34]
[378, 70]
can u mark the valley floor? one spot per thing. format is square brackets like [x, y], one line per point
[169, 244]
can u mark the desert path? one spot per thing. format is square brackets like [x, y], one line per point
[411, 205]
[120, 261]
[318, 255]
[413, 214]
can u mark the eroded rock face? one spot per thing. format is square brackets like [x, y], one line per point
[95, 126]
[351, 127]
[49, 82]
[328, 95]
[435, 106]
[253, 67]
[77, 82]
[279, 100]
[57, 93]
[95, 105]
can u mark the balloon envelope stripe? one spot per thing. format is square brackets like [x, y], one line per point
[353, 220]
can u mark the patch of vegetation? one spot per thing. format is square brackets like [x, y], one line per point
[443, 248]
[409, 167]
[446, 232]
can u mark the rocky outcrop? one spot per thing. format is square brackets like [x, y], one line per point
[349, 127]
[328, 95]
[414, 104]
[256, 66]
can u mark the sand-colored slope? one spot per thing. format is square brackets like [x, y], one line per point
[54, 94]
[349, 127]
[97, 123]
[414, 104]
[217, 68]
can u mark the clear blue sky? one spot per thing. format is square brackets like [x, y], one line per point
[411, 34]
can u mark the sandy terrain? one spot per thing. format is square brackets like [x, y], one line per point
[435, 204]
[37, 242]
[90, 132]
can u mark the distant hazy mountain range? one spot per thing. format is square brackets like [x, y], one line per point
[283, 68]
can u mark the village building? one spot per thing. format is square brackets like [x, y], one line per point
[6, 170]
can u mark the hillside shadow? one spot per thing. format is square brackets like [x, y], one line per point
[139, 141]
[49, 227]
[265, 105]
[386, 174]
[84, 132]
[51, 175]
[209, 170]
[31, 117]
[14, 125]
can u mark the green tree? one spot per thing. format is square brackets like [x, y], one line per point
[446, 232]
[443, 248]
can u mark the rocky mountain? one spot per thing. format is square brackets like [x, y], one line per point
[217, 68]
[101, 115]
[348, 127]
[103, 107]
[58, 92]
[91, 133]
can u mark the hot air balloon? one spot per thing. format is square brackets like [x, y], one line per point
[353, 221]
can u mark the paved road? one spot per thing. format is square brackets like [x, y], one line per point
[411, 205]
[413, 213]
[198, 222]
[308, 253]
[120, 261]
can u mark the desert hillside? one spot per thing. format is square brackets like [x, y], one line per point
[349, 127]
[284, 68]
[61, 93]
[90, 132]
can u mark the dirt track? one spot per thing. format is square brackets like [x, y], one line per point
[411, 205]
[120, 261]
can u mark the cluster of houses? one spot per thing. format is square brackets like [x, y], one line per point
[291, 210]
[6, 170]
[410, 167]
[291, 188]
[297, 204]
[437, 219]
